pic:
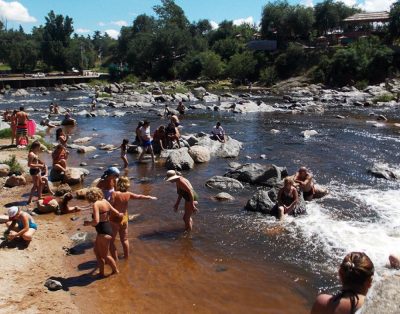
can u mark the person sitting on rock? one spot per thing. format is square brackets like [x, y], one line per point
[159, 139]
[61, 137]
[218, 133]
[21, 225]
[355, 273]
[181, 108]
[173, 135]
[288, 202]
[304, 179]
[60, 156]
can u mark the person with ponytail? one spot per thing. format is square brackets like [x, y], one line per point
[355, 274]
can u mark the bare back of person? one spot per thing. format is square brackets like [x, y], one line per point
[120, 201]
[21, 118]
[328, 304]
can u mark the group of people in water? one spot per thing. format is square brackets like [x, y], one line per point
[110, 198]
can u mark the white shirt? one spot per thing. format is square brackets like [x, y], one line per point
[218, 131]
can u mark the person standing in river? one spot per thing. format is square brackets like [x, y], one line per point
[22, 125]
[35, 168]
[119, 200]
[61, 137]
[184, 190]
[108, 182]
[355, 273]
[146, 141]
[101, 221]
[13, 125]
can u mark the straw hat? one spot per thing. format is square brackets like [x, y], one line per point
[172, 175]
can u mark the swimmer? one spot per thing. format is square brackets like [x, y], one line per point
[184, 190]
[304, 179]
[181, 108]
[355, 273]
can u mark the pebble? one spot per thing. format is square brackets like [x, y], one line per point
[263, 156]
[82, 164]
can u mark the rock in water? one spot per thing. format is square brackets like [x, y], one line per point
[82, 140]
[85, 149]
[179, 160]
[262, 201]
[254, 173]
[223, 196]
[21, 93]
[200, 154]
[74, 175]
[308, 133]
[53, 285]
[15, 181]
[382, 172]
[224, 183]
[230, 149]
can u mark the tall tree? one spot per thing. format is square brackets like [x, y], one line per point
[56, 39]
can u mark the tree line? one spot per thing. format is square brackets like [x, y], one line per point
[168, 46]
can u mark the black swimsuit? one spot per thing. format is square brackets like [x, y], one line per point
[353, 299]
[104, 227]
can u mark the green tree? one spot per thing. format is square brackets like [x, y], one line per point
[23, 56]
[211, 65]
[226, 48]
[56, 40]
[242, 66]
[394, 22]
[169, 13]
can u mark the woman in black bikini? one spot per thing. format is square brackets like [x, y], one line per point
[184, 190]
[35, 168]
[288, 202]
[355, 273]
[101, 221]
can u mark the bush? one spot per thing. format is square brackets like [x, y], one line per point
[268, 76]
[242, 66]
[290, 62]
[383, 98]
[130, 78]
[15, 166]
[5, 133]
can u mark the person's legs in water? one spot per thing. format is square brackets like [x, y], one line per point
[187, 217]
[113, 247]
[281, 213]
[104, 250]
[125, 160]
[144, 151]
[123, 236]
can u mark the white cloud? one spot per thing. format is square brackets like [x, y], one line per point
[83, 31]
[376, 5]
[309, 3]
[101, 24]
[248, 20]
[16, 12]
[214, 24]
[112, 33]
[350, 3]
[119, 23]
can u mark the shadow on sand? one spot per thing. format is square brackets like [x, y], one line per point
[77, 281]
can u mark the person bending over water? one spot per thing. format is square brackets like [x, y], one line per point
[355, 274]
[21, 225]
[108, 182]
[288, 202]
[306, 183]
[184, 190]
[119, 225]
[101, 221]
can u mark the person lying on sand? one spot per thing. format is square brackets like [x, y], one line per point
[21, 225]
[64, 208]
[355, 274]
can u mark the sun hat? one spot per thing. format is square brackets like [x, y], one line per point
[172, 175]
[12, 211]
[111, 171]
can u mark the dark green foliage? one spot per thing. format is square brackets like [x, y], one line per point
[15, 166]
[242, 66]
[289, 62]
[394, 23]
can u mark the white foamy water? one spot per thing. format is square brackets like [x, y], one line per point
[376, 236]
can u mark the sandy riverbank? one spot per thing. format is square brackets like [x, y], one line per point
[24, 271]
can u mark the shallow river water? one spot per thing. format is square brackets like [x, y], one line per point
[236, 261]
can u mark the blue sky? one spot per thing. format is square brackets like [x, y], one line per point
[109, 16]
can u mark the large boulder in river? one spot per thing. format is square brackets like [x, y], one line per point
[21, 93]
[200, 154]
[75, 175]
[230, 149]
[262, 201]
[179, 160]
[224, 183]
[383, 172]
[254, 173]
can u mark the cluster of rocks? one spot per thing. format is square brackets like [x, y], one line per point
[382, 171]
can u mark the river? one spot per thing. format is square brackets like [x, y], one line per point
[236, 261]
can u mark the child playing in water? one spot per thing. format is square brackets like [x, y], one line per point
[124, 150]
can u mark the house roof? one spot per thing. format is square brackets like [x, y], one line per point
[368, 17]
